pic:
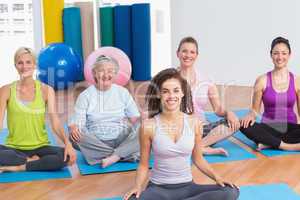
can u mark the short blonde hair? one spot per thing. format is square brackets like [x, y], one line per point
[24, 50]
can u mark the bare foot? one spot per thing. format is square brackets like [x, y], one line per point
[33, 158]
[262, 146]
[215, 151]
[17, 168]
[110, 160]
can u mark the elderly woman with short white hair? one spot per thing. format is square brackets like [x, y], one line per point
[104, 124]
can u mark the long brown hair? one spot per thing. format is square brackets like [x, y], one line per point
[153, 97]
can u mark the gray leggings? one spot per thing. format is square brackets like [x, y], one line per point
[51, 158]
[188, 191]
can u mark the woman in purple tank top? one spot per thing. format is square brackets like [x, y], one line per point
[173, 135]
[279, 91]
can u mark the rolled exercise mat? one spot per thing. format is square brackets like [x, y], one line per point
[72, 32]
[52, 12]
[122, 27]
[141, 42]
[107, 26]
[87, 27]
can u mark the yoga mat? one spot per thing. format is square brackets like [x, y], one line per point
[52, 12]
[258, 192]
[72, 32]
[10, 177]
[141, 42]
[240, 136]
[87, 27]
[122, 28]
[267, 152]
[107, 26]
[268, 192]
[86, 169]
[236, 153]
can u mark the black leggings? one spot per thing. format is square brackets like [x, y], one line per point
[273, 134]
[51, 158]
[187, 191]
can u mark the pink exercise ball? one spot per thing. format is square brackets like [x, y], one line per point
[124, 73]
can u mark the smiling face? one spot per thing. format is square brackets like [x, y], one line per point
[280, 55]
[187, 54]
[171, 95]
[104, 75]
[25, 65]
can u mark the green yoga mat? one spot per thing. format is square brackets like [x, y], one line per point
[107, 26]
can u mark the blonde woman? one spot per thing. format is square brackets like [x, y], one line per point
[27, 146]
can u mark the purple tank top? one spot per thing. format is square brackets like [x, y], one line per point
[279, 106]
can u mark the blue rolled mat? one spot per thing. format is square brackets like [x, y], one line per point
[72, 32]
[122, 29]
[10, 177]
[258, 192]
[86, 169]
[235, 152]
[141, 42]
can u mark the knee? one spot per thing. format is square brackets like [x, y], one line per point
[231, 193]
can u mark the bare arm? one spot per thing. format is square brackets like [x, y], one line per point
[197, 154]
[49, 96]
[259, 86]
[146, 132]
[4, 96]
[214, 98]
[215, 101]
[200, 162]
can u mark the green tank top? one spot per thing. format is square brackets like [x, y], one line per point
[26, 122]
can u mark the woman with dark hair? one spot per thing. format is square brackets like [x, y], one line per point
[174, 135]
[279, 91]
[204, 91]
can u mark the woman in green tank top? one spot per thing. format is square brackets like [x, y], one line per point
[27, 147]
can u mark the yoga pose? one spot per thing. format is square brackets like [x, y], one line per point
[205, 90]
[27, 147]
[105, 122]
[279, 91]
[174, 136]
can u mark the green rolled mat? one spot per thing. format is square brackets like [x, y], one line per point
[107, 26]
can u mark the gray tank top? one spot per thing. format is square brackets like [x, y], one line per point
[172, 160]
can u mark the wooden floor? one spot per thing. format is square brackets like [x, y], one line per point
[284, 169]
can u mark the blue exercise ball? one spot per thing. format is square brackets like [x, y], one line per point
[59, 66]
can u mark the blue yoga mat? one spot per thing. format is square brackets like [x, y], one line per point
[236, 153]
[86, 169]
[141, 42]
[10, 177]
[72, 32]
[240, 136]
[122, 28]
[267, 152]
[258, 192]
[266, 192]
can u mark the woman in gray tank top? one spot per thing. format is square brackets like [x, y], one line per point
[174, 137]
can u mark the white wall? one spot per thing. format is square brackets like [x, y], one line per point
[11, 39]
[235, 36]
